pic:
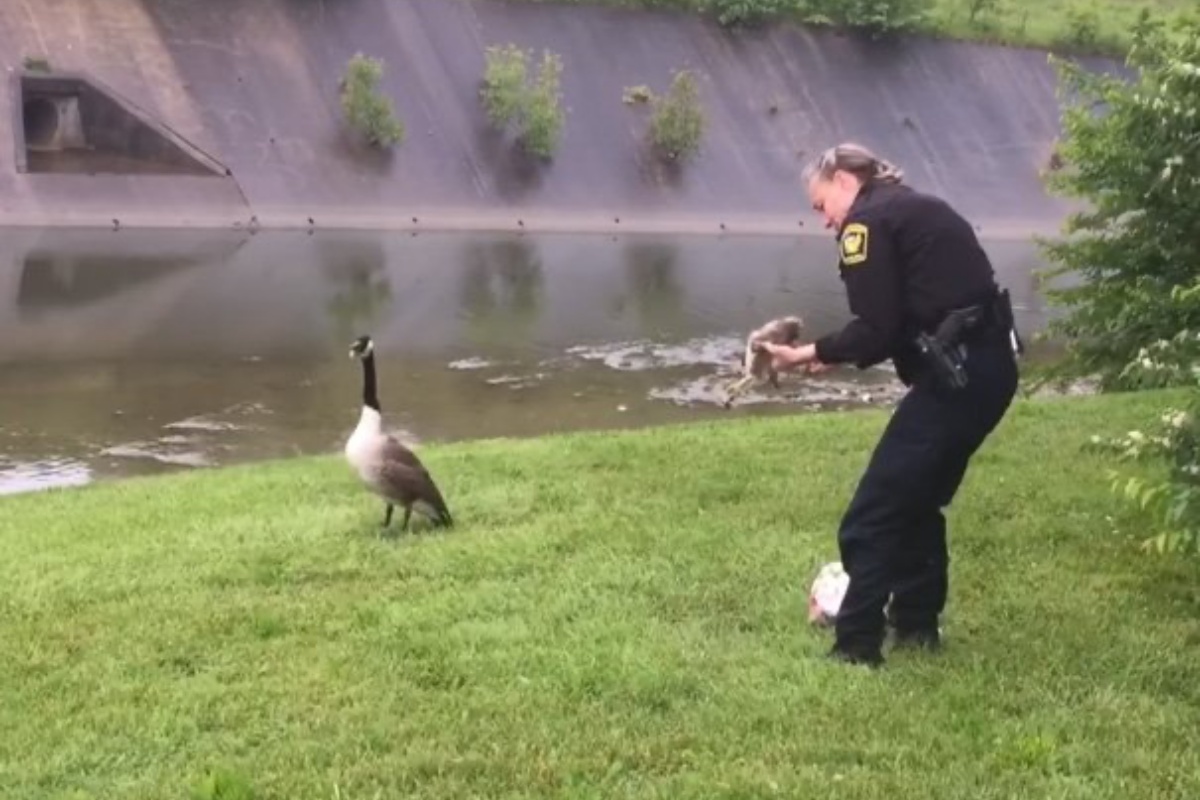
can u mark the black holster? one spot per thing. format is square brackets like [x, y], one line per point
[945, 350]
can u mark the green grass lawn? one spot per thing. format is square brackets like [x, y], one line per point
[616, 615]
[1099, 26]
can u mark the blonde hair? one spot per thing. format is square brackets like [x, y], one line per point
[856, 160]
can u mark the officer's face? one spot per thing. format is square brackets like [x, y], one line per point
[832, 197]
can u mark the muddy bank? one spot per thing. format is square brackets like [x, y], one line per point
[252, 86]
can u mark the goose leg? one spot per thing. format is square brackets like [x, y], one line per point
[407, 514]
[387, 515]
[735, 388]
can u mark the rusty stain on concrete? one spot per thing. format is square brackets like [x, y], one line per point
[253, 83]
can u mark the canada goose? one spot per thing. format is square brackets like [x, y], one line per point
[388, 468]
[756, 362]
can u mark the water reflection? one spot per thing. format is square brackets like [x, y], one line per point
[501, 291]
[51, 281]
[362, 291]
[127, 353]
[655, 290]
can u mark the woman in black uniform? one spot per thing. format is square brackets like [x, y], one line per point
[908, 260]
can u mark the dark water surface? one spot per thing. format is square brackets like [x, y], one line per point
[126, 353]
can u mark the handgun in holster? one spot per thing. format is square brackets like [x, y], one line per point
[945, 350]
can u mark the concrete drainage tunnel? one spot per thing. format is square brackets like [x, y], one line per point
[40, 120]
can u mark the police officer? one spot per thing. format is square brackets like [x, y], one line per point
[922, 294]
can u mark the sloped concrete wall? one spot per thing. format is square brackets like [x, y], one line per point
[253, 83]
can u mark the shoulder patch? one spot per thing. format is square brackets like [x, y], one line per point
[853, 244]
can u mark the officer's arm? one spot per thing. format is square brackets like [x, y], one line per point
[871, 274]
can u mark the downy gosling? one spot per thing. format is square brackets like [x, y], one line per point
[756, 362]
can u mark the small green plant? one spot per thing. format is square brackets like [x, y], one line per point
[977, 9]
[503, 92]
[367, 109]
[1083, 24]
[543, 110]
[873, 16]
[732, 13]
[636, 94]
[534, 109]
[36, 64]
[1170, 499]
[677, 126]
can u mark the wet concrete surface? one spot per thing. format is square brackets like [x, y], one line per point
[253, 84]
[127, 353]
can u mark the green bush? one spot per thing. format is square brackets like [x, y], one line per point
[503, 92]
[36, 64]
[1083, 26]
[978, 9]
[873, 16]
[748, 12]
[366, 108]
[1133, 312]
[1173, 498]
[678, 123]
[543, 109]
[509, 99]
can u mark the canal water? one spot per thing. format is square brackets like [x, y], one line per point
[134, 352]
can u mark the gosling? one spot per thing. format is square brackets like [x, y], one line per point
[756, 362]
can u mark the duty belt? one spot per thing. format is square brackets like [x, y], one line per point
[945, 349]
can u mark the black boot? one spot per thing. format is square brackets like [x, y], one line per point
[920, 636]
[872, 658]
[927, 638]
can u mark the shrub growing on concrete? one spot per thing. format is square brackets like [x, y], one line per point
[36, 64]
[367, 109]
[503, 92]
[636, 94]
[510, 100]
[677, 126]
[543, 111]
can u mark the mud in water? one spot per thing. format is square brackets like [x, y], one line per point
[130, 353]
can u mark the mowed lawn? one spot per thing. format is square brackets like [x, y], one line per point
[615, 615]
[1104, 25]
[1101, 26]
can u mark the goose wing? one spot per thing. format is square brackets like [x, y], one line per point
[407, 476]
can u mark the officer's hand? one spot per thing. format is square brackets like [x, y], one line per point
[784, 358]
[815, 367]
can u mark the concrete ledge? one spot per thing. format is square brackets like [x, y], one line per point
[540, 221]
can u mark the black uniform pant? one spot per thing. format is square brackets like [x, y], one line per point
[893, 535]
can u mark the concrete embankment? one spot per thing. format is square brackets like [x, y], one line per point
[251, 86]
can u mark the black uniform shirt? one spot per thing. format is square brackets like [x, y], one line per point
[906, 259]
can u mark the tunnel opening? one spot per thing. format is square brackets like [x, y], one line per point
[71, 124]
[41, 121]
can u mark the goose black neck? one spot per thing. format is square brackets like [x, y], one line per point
[370, 395]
